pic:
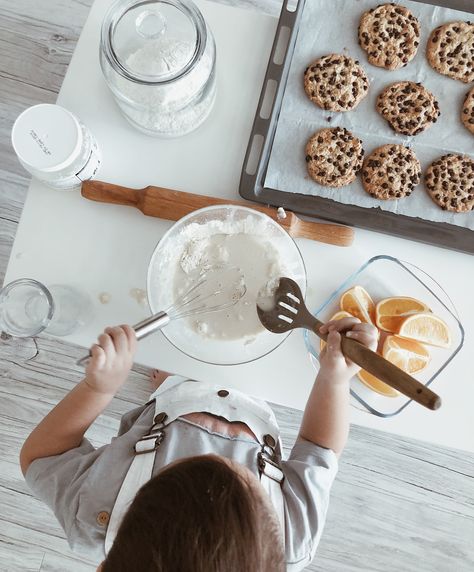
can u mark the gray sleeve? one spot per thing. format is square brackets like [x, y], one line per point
[309, 474]
[129, 419]
[57, 480]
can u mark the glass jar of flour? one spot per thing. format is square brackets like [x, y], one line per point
[158, 58]
[55, 147]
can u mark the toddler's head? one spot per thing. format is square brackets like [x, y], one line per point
[201, 514]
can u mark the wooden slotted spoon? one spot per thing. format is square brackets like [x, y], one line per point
[290, 313]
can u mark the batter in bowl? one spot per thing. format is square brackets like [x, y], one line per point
[260, 266]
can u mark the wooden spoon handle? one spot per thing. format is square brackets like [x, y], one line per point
[384, 370]
[389, 373]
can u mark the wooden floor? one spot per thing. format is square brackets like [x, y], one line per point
[397, 505]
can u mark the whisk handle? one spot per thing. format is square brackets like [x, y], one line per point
[142, 329]
[151, 324]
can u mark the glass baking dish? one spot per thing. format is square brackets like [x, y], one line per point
[383, 277]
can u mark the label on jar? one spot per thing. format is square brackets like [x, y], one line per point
[92, 164]
[88, 171]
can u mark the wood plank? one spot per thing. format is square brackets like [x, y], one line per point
[14, 186]
[26, 511]
[23, 537]
[15, 558]
[58, 563]
[7, 236]
[384, 531]
[38, 48]
[15, 97]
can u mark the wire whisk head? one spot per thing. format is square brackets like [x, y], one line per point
[215, 290]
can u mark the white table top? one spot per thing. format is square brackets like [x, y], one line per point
[63, 238]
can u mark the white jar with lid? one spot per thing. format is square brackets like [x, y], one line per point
[158, 58]
[55, 147]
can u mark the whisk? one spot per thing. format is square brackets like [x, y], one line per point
[214, 290]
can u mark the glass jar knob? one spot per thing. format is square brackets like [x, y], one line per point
[150, 24]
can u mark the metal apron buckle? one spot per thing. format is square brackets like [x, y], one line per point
[158, 436]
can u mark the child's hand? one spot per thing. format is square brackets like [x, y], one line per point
[111, 360]
[334, 366]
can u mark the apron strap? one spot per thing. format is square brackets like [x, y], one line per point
[271, 479]
[139, 473]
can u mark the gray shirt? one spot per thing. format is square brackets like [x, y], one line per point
[81, 485]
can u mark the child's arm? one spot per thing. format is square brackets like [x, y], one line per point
[64, 427]
[326, 416]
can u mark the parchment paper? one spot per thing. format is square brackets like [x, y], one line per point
[330, 26]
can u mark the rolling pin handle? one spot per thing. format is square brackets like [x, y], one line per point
[108, 193]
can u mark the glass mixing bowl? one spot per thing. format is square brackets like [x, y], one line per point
[161, 271]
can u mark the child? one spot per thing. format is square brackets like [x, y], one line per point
[194, 481]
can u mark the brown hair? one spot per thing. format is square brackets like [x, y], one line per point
[198, 515]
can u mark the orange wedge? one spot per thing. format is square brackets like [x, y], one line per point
[409, 355]
[390, 312]
[426, 328]
[359, 304]
[337, 316]
[375, 384]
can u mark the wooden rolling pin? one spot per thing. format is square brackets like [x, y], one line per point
[172, 205]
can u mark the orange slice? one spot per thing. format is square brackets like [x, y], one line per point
[359, 304]
[337, 316]
[375, 384]
[426, 328]
[409, 355]
[390, 312]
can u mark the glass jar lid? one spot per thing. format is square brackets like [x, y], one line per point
[153, 41]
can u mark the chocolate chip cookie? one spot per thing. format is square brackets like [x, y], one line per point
[450, 183]
[335, 82]
[391, 172]
[334, 157]
[390, 35]
[450, 50]
[408, 107]
[467, 111]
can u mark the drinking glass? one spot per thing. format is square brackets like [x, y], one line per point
[28, 307]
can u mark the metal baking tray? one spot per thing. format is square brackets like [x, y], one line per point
[252, 182]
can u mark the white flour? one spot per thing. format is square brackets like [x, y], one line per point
[159, 57]
[175, 108]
